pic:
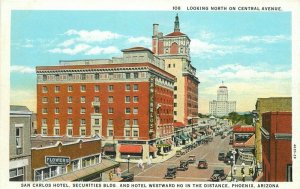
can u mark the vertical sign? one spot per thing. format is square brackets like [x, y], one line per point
[151, 106]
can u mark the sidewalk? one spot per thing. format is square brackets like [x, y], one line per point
[238, 174]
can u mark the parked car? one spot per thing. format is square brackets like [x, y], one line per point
[183, 165]
[218, 175]
[192, 159]
[202, 164]
[127, 177]
[171, 172]
[221, 156]
[178, 153]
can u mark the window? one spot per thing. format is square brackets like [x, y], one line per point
[75, 165]
[45, 100]
[44, 122]
[45, 89]
[110, 122]
[97, 109]
[56, 100]
[44, 131]
[173, 65]
[82, 110]
[44, 77]
[44, 110]
[135, 110]
[135, 99]
[127, 122]
[110, 87]
[56, 121]
[70, 88]
[175, 96]
[82, 132]
[82, 88]
[127, 110]
[56, 131]
[136, 75]
[56, 77]
[18, 137]
[56, 110]
[127, 132]
[175, 104]
[127, 87]
[175, 112]
[110, 132]
[82, 76]
[82, 99]
[70, 132]
[127, 99]
[70, 76]
[70, 121]
[70, 99]
[110, 99]
[97, 76]
[127, 76]
[70, 110]
[110, 110]
[175, 88]
[57, 89]
[135, 133]
[96, 99]
[97, 88]
[135, 122]
[82, 121]
[97, 122]
[169, 65]
[135, 87]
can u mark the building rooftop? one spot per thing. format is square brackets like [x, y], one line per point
[19, 108]
[176, 33]
[133, 49]
[244, 128]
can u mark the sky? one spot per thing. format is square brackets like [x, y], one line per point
[249, 51]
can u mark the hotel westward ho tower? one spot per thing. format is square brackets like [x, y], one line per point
[174, 49]
[128, 101]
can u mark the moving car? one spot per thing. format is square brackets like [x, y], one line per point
[183, 165]
[202, 164]
[171, 172]
[192, 159]
[221, 156]
[218, 175]
[127, 177]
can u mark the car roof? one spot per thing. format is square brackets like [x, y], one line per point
[202, 159]
[172, 167]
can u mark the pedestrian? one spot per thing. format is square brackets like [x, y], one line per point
[142, 166]
[110, 175]
[242, 170]
[234, 170]
[149, 161]
[250, 171]
[244, 177]
[140, 162]
[119, 172]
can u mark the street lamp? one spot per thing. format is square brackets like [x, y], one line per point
[233, 155]
[231, 164]
[128, 158]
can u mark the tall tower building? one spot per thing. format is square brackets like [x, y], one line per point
[174, 49]
[222, 106]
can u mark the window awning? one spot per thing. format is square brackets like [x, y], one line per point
[152, 148]
[109, 147]
[131, 149]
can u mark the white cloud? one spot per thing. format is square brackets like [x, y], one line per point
[99, 50]
[263, 39]
[21, 69]
[92, 36]
[67, 43]
[71, 51]
[202, 48]
[145, 40]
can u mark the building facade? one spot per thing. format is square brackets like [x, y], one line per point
[174, 49]
[267, 105]
[276, 139]
[19, 144]
[128, 101]
[222, 106]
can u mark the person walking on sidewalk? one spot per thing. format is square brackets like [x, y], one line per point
[244, 177]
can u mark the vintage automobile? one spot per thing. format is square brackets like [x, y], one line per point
[227, 158]
[202, 164]
[218, 175]
[192, 159]
[183, 165]
[127, 177]
[221, 156]
[171, 172]
[180, 152]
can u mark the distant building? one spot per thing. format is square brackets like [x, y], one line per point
[272, 104]
[276, 140]
[19, 144]
[174, 49]
[222, 106]
[127, 101]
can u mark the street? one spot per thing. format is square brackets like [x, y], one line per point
[156, 172]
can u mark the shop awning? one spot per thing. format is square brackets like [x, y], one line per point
[109, 147]
[169, 141]
[163, 145]
[152, 148]
[177, 139]
[183, 137]
[131, 149]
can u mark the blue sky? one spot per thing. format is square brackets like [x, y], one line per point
[249, 51]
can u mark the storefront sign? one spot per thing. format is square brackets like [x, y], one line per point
[57, 160]
[152, 106]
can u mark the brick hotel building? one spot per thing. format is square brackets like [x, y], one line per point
[174, 49]
[127, 101]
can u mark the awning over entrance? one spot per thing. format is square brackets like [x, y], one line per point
[152, 148]
[131, 149]
[109, 147]
[183, 137]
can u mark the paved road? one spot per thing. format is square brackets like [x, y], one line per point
[208, 151]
